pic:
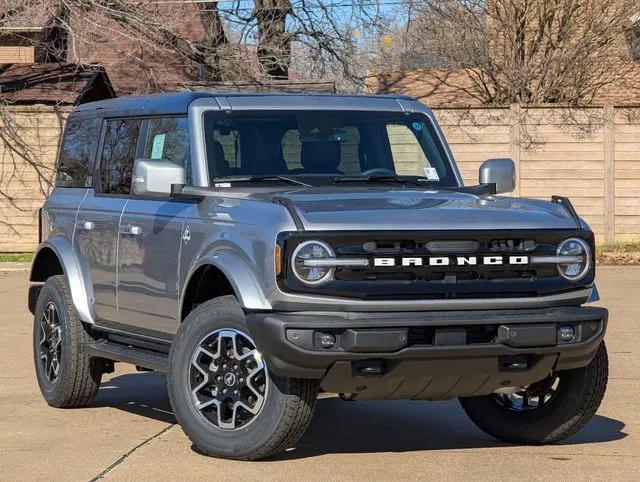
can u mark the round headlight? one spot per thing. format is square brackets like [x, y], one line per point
[307, 272]
[577, 248]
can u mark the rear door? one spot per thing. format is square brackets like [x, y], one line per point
[96, 234]
[74, 173]
[150, 239]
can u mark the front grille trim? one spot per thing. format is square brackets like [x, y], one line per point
[439, 282]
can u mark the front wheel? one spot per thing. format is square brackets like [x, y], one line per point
[222, 393]
[546, 411]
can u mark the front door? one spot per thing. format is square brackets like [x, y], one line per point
[149, 253]
[150, 239]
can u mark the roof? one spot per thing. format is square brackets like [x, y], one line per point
[53, 83]
[178, 102]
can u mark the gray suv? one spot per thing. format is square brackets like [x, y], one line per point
[262, 248]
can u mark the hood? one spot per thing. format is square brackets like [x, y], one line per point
[331, 209]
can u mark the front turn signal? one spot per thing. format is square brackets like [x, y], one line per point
[278, 259]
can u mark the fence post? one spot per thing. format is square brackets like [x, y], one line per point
[514, 142]
[609, 175]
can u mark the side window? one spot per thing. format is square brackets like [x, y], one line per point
[118, 155]
[75, 164]
[168, 138]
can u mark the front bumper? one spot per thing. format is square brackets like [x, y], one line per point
[426, 355]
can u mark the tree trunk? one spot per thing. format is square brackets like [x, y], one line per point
[215, 38]
[274, 43]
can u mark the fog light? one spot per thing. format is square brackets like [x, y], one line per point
[566, 332]
[327, 340]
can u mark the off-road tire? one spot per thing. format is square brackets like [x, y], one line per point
[288, 405]
[79, 374]
[578, 396]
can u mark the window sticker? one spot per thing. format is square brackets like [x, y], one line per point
[431, 173]
[417, 126]
[158, 146]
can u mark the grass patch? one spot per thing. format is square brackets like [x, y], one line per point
[620, 248]
[15, 257]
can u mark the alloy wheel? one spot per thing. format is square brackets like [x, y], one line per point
[228, 379]
[50, 341]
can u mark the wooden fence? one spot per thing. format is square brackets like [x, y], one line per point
[23, 185]
[591, 155]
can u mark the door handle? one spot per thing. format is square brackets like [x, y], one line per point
[130, 229]
[85, 225]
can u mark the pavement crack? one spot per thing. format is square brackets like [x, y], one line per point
[123, 458]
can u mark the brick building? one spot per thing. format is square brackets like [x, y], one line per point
[133, 64]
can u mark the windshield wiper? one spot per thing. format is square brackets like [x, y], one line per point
[286, 179]
[398, 179]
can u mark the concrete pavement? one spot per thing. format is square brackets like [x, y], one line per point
[129, 433]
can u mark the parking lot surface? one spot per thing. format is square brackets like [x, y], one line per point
[129, 433]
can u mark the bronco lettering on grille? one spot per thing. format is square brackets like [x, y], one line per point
[451, 261]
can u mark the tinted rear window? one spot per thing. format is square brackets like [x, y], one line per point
[118, 155]
[75, 164]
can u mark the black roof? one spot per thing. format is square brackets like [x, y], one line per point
[178, 102]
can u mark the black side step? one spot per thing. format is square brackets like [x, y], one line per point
[129, 354]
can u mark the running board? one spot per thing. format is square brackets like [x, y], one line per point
[129, 354]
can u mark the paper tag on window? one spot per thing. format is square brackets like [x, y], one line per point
[222, 184]
[158, 146]
[431, 173]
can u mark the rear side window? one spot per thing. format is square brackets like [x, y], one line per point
[168, 139]
[75, 164]
[118, 155]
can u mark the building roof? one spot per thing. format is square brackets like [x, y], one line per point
[52, 83]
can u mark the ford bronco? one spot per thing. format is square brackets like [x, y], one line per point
[261, 248]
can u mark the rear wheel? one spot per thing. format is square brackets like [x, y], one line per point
[66, 375]
[222, 393]
[546, 411]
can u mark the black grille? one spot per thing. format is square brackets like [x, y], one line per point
[438, 282]
[512, 245]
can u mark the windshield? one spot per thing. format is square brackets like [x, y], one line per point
[319, 147]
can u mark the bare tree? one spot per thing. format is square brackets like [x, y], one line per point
[236, 42]
[153, 45]
[523, 51]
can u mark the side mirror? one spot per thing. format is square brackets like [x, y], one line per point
[501, 172]
[154, 177]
